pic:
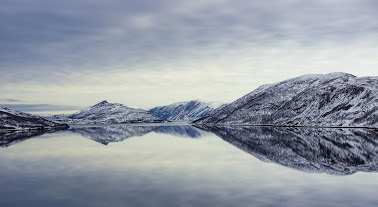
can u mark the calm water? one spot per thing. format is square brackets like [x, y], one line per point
[184, 166]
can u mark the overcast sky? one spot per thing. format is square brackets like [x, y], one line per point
[152, 52]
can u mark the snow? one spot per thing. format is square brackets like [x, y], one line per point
[184, 111]
[15, 120]
[336, 99]
[107, 113]
[14, 112]
[115, 113]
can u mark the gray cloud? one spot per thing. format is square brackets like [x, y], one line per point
[66, 35]
[35, 108]
[52, 42]
[10, 100]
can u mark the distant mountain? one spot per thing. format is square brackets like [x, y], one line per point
[183, 111]
[107, 113]
[316, 150]
[14, 120]
[336, 99]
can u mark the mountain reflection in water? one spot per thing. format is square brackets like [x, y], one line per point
[117, 133]
[338, 151]
[319, 150]
[106, 134]
[8, 138]
[152, 165]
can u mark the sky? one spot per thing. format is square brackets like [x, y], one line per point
[144, 53]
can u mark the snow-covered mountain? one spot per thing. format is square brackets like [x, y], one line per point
[316, 150]
[107, 113]
[14, 120]
[336, 99]
[183, 111]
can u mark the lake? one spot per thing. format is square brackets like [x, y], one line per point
[181, 165]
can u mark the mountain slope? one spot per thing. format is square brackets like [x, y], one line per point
[336, 99]
[183, 111]
[14, 120]
[107, 113]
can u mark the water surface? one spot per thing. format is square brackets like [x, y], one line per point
[183, 166]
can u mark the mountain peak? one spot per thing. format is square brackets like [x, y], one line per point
[105, 112]
[104, 102]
